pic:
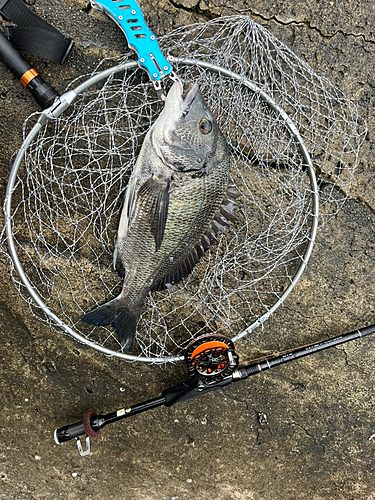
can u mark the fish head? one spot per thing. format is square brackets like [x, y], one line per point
[185, 135]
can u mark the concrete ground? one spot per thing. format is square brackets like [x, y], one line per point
[302, 431]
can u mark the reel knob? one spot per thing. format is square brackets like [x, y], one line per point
[212, 357]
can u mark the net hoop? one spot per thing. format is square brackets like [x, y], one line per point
[56, 110]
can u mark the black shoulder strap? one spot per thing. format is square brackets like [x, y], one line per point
[32, 35]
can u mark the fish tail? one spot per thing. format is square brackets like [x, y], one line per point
[123, 318]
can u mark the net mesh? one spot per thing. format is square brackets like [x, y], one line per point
[69, 188]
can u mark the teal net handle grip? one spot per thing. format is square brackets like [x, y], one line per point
[128, 15]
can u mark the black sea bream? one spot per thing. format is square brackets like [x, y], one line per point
[176, 201]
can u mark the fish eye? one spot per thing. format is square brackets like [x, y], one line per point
[205, 126]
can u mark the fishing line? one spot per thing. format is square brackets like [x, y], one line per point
[282, 122]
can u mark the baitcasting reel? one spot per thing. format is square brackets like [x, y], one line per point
[211, 358]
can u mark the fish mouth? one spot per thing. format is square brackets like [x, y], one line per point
[176, 108]
[190, 96]
[176, 100]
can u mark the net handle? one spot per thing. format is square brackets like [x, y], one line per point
[58, 108]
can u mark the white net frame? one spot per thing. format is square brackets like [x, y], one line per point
[282, 122]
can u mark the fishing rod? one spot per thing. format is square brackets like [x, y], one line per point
[212, 364]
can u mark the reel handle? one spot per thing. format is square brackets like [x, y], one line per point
[43, 92]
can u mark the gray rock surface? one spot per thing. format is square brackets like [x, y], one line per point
[302, 431]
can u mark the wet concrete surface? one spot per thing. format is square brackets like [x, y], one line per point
[302, 431]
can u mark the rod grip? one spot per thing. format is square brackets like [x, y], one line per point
[43, 92]
[69, 432]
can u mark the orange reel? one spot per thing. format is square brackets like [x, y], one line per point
[211, 357]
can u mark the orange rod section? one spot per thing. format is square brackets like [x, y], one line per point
[208, 345]
[28, 76]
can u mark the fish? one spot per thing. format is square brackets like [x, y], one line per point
[178, 199]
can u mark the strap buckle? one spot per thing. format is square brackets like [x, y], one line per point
[8, 29]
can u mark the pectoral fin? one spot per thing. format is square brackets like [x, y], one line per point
[221, 220]
[153, 199]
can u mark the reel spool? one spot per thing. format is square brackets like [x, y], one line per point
[211, 357]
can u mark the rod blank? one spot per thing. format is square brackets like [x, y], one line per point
[268, 363]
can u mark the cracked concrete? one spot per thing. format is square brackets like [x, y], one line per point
[304, 430]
